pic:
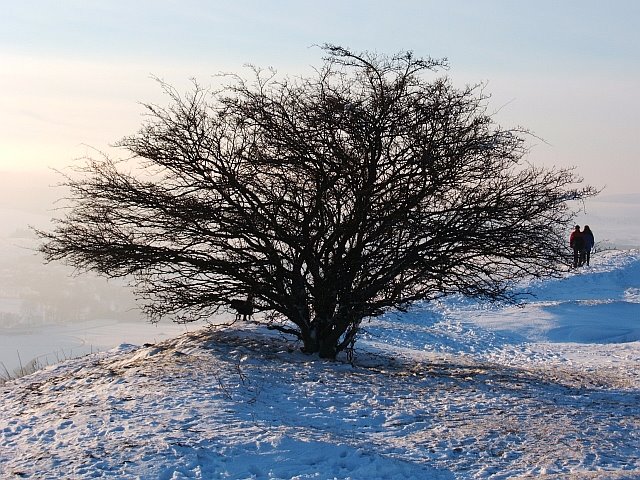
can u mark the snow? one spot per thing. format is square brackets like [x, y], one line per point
[449, 390]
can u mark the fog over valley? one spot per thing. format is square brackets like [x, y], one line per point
[49, 313]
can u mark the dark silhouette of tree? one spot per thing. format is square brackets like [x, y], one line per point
[321, 200]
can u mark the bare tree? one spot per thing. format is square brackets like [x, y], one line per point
[321, 200]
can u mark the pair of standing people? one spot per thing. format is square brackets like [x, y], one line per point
[582, 242]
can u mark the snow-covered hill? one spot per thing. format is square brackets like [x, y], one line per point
[453, 390]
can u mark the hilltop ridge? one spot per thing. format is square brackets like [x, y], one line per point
[448, 391]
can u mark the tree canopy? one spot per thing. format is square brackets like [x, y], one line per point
[319, 201]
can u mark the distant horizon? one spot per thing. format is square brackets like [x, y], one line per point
[74, 73]
[28, 198]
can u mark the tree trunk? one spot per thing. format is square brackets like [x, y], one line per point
[327, 349]
[323, 343]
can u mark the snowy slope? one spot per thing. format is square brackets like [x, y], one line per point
[452, 390]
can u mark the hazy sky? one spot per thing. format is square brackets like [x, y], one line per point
[73, 71]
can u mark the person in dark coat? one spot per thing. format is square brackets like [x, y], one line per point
[589, 242]
[576, 241]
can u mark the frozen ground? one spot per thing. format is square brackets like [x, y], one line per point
[453, 390]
